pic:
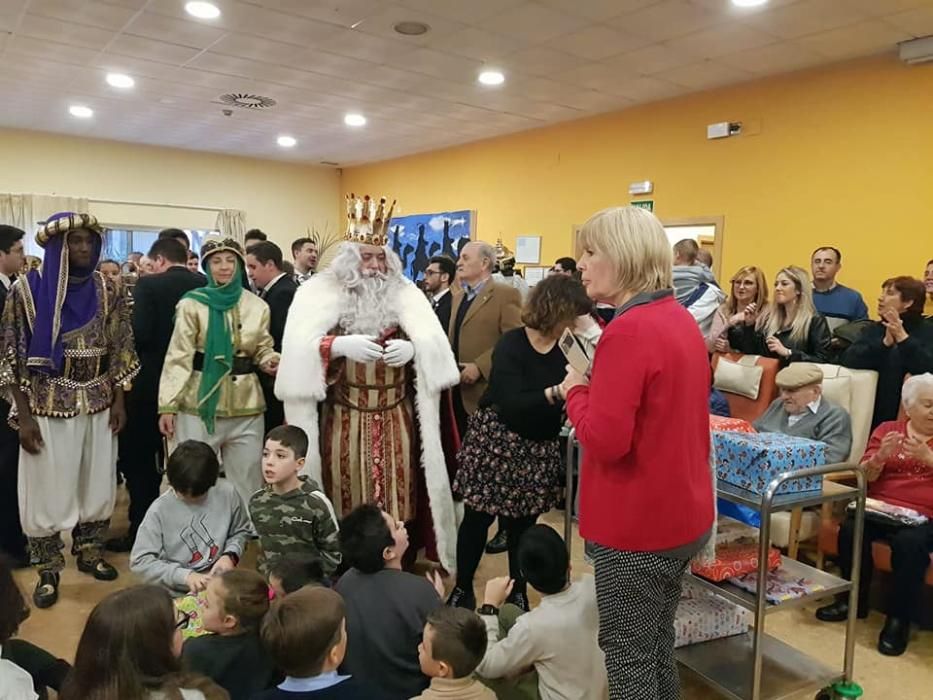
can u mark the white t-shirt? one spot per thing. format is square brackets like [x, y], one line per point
[15, 683]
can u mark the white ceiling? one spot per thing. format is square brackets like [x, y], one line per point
[319, 59]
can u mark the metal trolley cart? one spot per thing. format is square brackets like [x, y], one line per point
[757, 666]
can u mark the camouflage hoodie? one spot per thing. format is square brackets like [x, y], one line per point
[297, 522]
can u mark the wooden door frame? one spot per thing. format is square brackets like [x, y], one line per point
[719, 224]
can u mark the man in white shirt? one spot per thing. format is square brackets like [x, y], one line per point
[438, 276]
[803, 411]
[559, 638]
[305, 253]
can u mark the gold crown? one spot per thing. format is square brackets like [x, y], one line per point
[60, 224]
[367, 221]
[214, 243]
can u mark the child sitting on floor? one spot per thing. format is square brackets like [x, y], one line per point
[291, 514]
[386, 607]
[293, 571]
[559, 637]
[196, 529]
[306, 635]
[453, 645]
[233, 655]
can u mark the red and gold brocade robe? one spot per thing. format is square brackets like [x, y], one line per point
[368, 435]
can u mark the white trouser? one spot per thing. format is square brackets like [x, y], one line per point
[237, 442]
[73, 478]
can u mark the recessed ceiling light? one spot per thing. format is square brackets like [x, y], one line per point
[354, 120]
[202, 10]
[748, 3]
[491, 77]
[287, 141]
[409, 28]
[120, 80]
[81, 112]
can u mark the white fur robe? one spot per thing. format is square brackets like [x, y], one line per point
[301, 385]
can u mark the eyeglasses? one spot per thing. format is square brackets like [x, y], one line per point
[186, 618]
[428, 273]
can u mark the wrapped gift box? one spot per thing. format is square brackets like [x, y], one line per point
[703, 618]
[729, 531]
[752, 461]
[736, 425]
[780, 585]
[735, 559]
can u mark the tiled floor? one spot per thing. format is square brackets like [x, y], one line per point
[909, 677]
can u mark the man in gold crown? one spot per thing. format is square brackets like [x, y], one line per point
[364, 362]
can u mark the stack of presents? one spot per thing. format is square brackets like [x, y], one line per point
[748, 460]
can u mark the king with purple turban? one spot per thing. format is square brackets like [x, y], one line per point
[66, 352]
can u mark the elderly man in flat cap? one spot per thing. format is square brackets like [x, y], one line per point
[66, 355]
[803, 411]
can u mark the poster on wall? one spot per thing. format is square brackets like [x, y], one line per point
[416, 238]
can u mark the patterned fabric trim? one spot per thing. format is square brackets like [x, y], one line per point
[46, 553]
[89, 539]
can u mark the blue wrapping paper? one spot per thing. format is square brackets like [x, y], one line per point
[752, 460]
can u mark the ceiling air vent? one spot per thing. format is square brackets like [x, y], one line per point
[247, 101]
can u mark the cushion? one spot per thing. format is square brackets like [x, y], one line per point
[854, 391]
[742, 377]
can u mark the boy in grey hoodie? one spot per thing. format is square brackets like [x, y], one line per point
[197, 528]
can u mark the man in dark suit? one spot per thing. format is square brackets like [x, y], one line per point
[277, 289]
[141, 452]
[12, 540]
[438, 276]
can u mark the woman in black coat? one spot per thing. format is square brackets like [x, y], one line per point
[790, 329]
[901, 343]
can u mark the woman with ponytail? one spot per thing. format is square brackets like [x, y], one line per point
[209, 389]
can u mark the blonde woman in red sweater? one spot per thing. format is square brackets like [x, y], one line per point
[641, 417]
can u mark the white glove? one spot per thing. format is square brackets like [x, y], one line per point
[398, 353]
[359, 348]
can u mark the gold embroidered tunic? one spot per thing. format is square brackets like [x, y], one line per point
[240, 394]
[98, 357]
[368, 437]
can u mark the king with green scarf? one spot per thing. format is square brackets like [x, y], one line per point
[209, 389]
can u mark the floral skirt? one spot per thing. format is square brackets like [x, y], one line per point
[502, 473]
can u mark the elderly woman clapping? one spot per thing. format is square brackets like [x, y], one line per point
[646, 498]
[899, 465]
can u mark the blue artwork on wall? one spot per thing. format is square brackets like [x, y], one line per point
[418, 237]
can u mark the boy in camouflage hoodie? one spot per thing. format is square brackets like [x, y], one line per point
[291, 513]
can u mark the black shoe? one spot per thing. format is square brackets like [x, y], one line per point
[519, 600]
[46, 593]
[498, 544]
[460, 598]
[99, 569]
[838, 612]
[894, 636]
[120, 544]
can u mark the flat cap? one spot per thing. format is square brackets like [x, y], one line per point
[799, 374]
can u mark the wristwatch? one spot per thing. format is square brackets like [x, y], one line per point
[487, 609]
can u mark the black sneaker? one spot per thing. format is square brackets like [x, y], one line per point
[46, 593]
[498, 544]
[519, 600]
[460, 598]
[838, 612]
[99, 569]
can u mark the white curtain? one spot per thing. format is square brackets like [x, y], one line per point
[29, 211]
[232, 224]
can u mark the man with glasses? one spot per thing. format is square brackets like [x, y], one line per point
[438, 276]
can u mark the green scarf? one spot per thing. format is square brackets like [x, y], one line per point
[218, 343]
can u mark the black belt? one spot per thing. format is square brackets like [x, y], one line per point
[241, 365]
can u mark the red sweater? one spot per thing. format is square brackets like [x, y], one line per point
[904, 481]
[643, 424]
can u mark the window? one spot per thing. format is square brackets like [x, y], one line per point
[119, 243]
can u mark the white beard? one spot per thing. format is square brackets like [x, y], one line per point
[370, 306]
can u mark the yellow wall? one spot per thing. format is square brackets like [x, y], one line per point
[282, 199]
[844, 156]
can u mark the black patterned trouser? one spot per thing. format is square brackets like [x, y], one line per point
[46, 552]
[637, 594]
